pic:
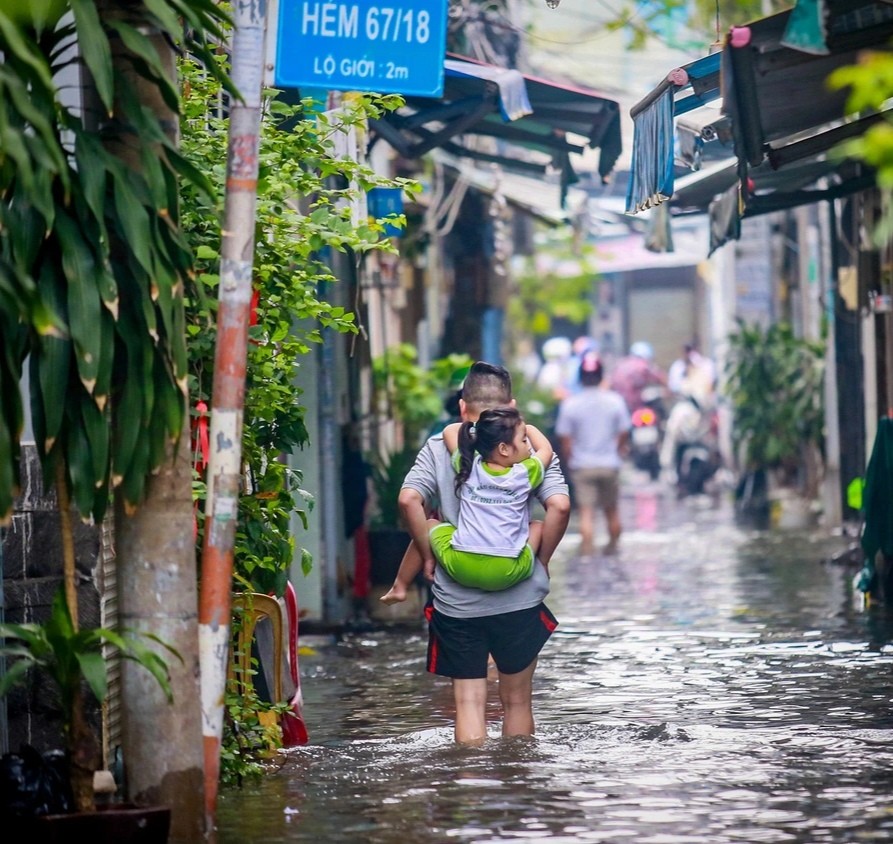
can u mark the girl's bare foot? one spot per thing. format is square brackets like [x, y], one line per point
[394, 595]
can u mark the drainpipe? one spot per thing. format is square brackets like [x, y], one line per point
[228, 390]
[329, 449]
[4, 718]
[832, 499]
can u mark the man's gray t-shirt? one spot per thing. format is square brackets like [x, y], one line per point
[432, 476]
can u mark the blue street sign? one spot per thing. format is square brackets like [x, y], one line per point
[386, 46]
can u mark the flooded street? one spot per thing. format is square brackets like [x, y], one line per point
[708, 684]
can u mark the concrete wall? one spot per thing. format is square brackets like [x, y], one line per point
[32, 574]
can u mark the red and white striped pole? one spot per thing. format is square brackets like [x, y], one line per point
[228, 391]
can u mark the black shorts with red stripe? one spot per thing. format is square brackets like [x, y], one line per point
[460, 647]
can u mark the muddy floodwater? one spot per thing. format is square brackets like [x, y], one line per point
[708, 684]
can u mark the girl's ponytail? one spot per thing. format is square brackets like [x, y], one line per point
[467, 440]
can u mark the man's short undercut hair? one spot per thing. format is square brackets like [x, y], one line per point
[486, 386]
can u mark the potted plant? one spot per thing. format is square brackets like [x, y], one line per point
[413, 397]
[774, 381]
[74, 661]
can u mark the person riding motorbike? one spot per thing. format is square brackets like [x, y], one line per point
[688, 456]
[634, 374]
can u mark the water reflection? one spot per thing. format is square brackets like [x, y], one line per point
[708, 684]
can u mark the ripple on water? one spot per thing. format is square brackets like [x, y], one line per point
[708, 685]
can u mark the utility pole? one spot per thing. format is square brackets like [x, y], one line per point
[228, 390]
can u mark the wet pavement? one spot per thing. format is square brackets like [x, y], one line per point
[709, 683]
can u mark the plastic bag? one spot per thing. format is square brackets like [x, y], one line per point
[34, 784]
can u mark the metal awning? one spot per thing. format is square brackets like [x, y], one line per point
[777, 112]
[775, 94]
[533, 124]
[537, 197]
[717, 191]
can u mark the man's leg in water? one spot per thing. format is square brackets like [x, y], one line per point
[516, 694]
[471, 701]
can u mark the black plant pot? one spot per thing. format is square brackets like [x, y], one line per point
[386, 549]
[112, 824]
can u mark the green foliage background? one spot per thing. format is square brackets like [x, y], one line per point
[775, 383]
[303, 213]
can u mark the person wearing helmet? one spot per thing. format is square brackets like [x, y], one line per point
[635, 373]
[553, 376]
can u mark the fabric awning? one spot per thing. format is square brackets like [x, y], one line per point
[653, 158]
[533, 123]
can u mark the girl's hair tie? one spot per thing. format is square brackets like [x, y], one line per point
[472, 430]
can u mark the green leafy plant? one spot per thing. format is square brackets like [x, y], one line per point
[412, 396]
[72, 657]
[387, 473]
[251, 733]
[306, 208]
[870, 84]
[92, 262]
[556, 284]
[775, 383]
[93, 266]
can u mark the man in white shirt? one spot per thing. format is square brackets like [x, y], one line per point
[593, 430]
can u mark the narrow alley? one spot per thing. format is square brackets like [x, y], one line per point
[710, 683]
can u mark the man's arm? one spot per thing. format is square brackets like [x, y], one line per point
[553, 495]
[412, 508]
[418, 497]
[422, 477]
[558, 514]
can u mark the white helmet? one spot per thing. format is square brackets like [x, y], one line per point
[557, 348]
[641, 349]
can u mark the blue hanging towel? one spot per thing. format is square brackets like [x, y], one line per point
[877, 505]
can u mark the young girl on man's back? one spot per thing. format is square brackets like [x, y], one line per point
[494, 544]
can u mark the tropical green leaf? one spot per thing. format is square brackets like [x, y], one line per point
[94, 46]
[133, 483]
[91, 156]
[106, 360]
[190, 172]
[132, 220]
[127, 427]
[24, 50]
[8, 461]
[164, 12]
[142, 47]
[92, 667]
[48, 153]
[79, 460]
[96, 428]
[84, 304]
[52, 362]
[14, 675]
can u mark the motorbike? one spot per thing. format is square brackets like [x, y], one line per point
[697, 465]
[696, 454]
[646, 432]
